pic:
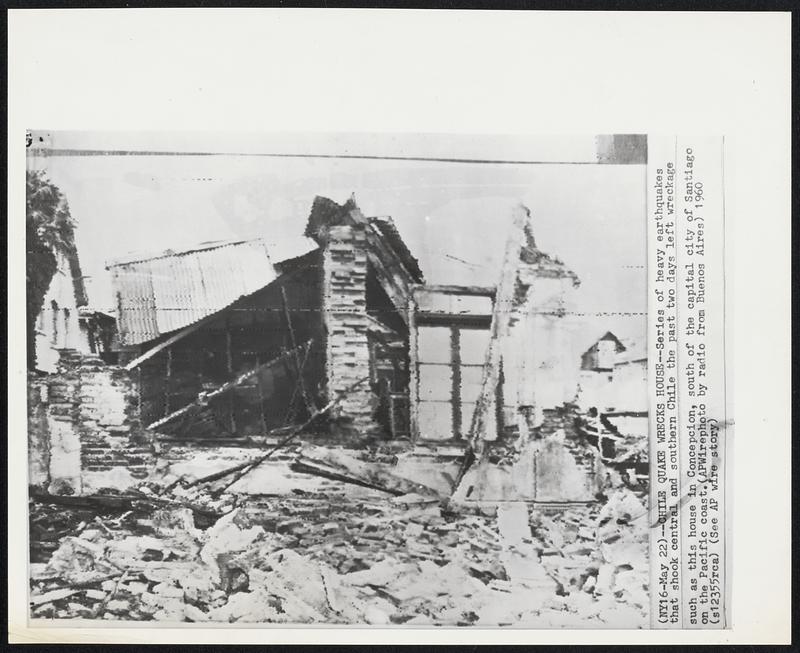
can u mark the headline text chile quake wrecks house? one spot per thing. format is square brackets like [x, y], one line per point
[334, 340]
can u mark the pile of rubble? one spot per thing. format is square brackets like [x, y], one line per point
[352, 556]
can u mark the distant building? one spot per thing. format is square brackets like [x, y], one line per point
[98, 331]
[613, 376]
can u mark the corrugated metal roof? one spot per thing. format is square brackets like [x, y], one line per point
[172, 290]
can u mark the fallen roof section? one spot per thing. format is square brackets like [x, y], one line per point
[169, 291]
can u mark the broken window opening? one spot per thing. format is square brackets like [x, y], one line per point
[451, 354]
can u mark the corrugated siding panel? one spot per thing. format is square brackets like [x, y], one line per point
[164, 294]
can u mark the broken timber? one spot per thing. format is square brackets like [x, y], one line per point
[298, 367]
[121, 502]
[204, 397]
[244, 468]
[306, 466]
[337, 465]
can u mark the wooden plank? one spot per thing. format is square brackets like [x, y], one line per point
[229, 368]
[261, 415]
[484, 291]
[289, 411]
[180, 335]
[338, 464]
[413, 371]
[167, 379]
[300, 382]
[389, 257]
[455, 363]
[395, 291]
[228, 348]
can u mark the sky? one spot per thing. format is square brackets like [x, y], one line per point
[453, 215]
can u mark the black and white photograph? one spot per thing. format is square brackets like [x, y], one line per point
[335, 389]
[398, 326]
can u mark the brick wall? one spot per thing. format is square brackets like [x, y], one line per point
[346, 321]
[84, 431]
[563, 419]
[555, 464]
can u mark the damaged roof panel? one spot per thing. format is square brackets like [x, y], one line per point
[160, 294]
[135, 304]
[388, 229]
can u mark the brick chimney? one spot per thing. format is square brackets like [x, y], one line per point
[341, 232]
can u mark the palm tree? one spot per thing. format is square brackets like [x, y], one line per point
[49, 231]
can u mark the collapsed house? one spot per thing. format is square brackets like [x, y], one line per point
[241, 339]
[334, 336]
[426, 420]
[352, 306]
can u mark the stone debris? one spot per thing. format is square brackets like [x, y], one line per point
[350, 556]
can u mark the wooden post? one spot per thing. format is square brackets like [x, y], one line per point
[260, 397]
[293, 343]
[228, 352]
[229, 362]
[167, 381]
[499, 401]
[413, 369]
[455, 390]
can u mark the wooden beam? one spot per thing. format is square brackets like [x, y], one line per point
[455, 392]
[484, 291]
[393, 276]
[297, 367]
[167, 380]
[228, 351]
[413, 371]
[203, 397]
[260, 398]
[398, 295]
[378, 241]
[289, 410]
[229, 368]
[180, 335]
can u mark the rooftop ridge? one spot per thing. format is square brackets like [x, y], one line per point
[199, 247]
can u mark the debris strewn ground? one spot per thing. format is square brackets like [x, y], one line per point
[340, 554]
